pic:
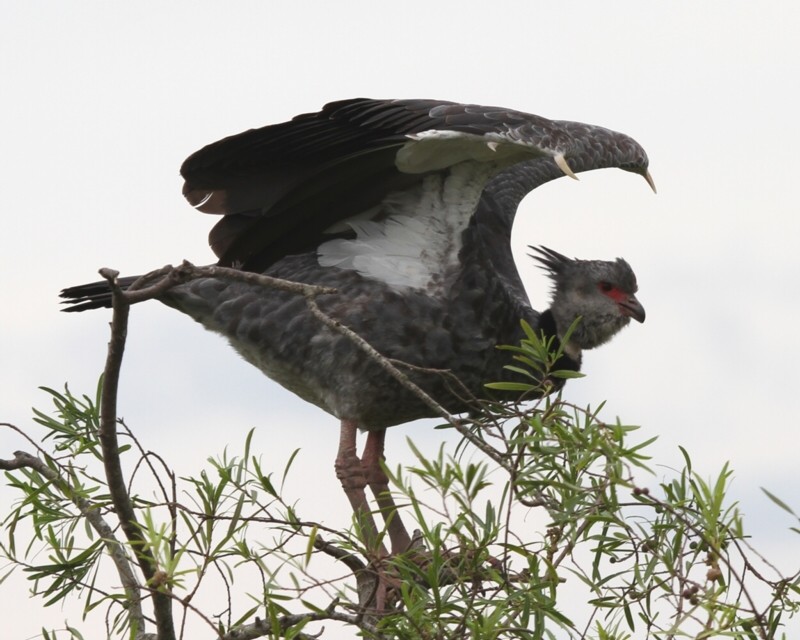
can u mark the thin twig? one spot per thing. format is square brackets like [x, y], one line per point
[172, 276]
[168, 277]
[91, 512]
[261, 628]
[405, 381]
[158, 282]
[346, 557]
[649, 500]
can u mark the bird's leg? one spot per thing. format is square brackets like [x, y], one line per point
[371, 460]
[351, 474]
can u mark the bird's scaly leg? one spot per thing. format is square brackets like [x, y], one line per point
[350, 472]
[371, 460]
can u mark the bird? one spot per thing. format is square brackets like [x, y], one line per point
[405, 208]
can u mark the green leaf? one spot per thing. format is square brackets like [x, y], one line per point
[778, 502]
[509, 386]
[312, 538]
[567, 374]
[288, 466]
[686, 459]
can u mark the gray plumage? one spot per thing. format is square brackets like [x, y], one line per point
[406, 208]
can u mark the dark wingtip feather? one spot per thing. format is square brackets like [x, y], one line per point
[95, 295]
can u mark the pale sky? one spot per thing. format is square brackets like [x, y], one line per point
[103, 101]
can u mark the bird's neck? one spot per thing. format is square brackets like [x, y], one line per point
[494, 220]
[571, 354]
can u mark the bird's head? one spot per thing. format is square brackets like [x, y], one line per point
[601, 293]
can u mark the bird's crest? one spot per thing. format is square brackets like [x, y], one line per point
[557, 266]
[561, 269]
[551, 261]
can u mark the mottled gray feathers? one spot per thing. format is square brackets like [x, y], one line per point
[374, 179]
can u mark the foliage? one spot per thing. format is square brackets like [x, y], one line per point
[548, 532]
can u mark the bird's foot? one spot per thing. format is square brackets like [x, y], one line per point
[382, 580]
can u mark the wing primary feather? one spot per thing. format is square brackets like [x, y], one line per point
[279, 187]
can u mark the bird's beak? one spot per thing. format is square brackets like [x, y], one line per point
[650, 181]
[632, 308]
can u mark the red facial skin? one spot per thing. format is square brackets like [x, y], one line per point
[627, 302]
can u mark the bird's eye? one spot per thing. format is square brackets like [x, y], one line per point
[605, 287]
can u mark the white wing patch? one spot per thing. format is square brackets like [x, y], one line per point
[413, 237]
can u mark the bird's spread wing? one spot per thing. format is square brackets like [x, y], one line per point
[280, 187]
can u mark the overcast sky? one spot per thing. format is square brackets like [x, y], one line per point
[103, 101]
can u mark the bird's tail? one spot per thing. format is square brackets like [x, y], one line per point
[95, 295]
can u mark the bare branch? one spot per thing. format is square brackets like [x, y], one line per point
[108, 441]
[349, 559]
[261, 628]
[155, 283]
